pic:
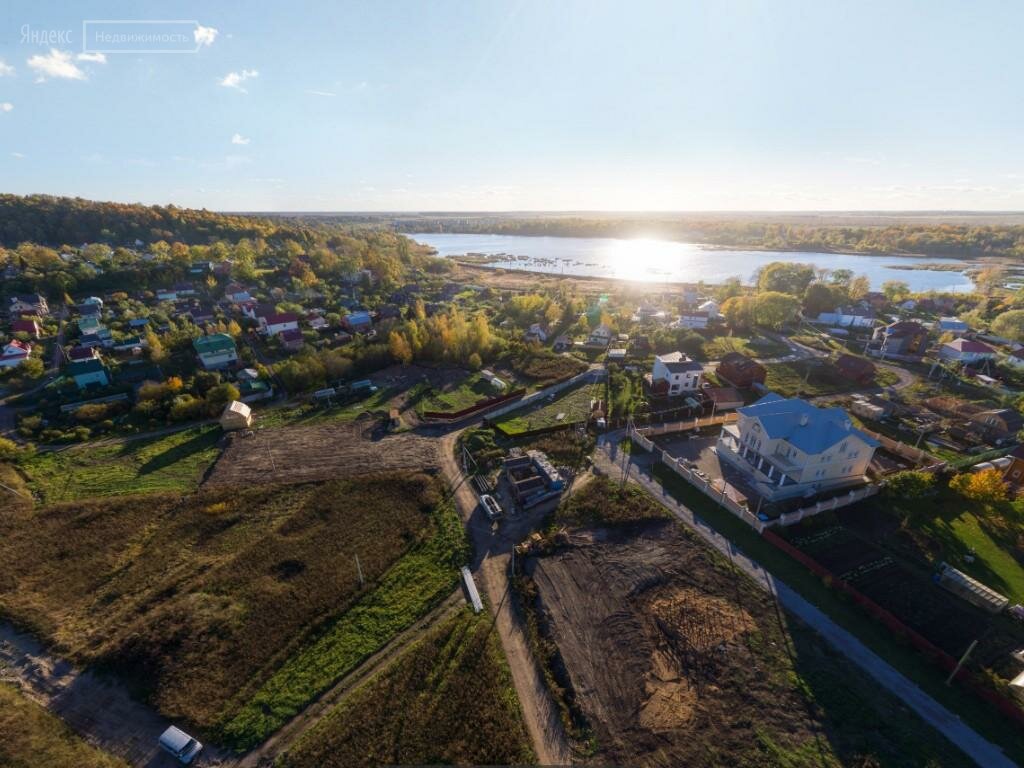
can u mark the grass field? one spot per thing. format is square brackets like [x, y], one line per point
[196, 602]
[309, 413]
[447, 700]
[758, 346]
[542, 367]
[417, 582]
[979, 715]
[30, 737]
[174, 462]
[813, 378]
[463, 394]
[573, 405]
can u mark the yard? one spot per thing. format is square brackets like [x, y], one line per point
[31, 737]
[448, 699]
[174, 462]
[230, 609]
[462, 393]
[757, 346]
[568, 407]
[676, 658]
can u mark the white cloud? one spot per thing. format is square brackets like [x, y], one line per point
[235, 79]
[204, 35]
[55, 64]
[6, 106]
[5, 68]
[321, 93]
[17, 155]
[239, 139]
[98, 58]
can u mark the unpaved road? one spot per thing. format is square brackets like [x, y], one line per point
[491, 569]
[99, 710]
[610, 460]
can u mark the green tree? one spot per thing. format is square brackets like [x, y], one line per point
[1010, 325]
[895, 290]
[785, 277]
[819, 298]
[775, 309]
[219, 396]
[740, 312]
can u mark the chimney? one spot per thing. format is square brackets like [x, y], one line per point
[803, 419]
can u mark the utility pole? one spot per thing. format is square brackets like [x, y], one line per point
[359, 570]
[961, 662]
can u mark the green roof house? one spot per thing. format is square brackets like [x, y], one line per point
[216, 351]
[89, 373]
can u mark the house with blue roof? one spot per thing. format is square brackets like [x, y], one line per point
[787, 447]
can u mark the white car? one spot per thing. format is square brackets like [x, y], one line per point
[180, 744]
[491, 507]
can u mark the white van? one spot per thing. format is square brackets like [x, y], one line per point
[180, 744]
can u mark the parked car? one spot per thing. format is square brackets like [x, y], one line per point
[180, 744]
[491, 507]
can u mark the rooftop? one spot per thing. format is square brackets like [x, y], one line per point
[805, 426]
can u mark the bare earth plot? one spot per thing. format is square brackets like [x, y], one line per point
[670, 658]
[318, 452]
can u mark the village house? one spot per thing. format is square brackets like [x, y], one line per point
[1014, 473]
[952, 325]
[14, 353]
[601, 337]
[906, 337]
[82, 353]
[357, 322]
[855, 369]
[27, 325]
[846, 317]
[88, 373]
[723, 398]
[788, 447]
[291, 339]
[216, 351]
[279, 323]
[675, 374]
[32, 304]
[692, 319]
[995, 425]
[537, 332]
[1016, 359]
[562, 343]
[966, 351]
[712, 308]
[166, 294]
[740, 370]
[317, 322]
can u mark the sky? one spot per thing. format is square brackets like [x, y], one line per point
[410, 105]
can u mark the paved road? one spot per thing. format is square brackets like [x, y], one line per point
[611, 461]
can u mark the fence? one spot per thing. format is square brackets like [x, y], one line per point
[855, 495]
[592, 376]
[475, 408]
[897, 627]
[917, 455]
[688, 424]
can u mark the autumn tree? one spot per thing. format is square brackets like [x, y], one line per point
[774, 309]
[785, 277]
[986, 485]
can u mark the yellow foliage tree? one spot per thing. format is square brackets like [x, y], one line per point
[986, 485]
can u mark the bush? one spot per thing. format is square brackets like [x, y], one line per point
[910, 485]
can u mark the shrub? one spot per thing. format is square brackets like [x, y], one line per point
[986, 485]
[910, 485]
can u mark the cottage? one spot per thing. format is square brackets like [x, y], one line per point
[723, 398]
[966, 351]
[88, 373]
[317, 322]
[616, 355]
[27, 325]
[675, 374]
[216, 351]
[692, 319]
[788, 447]
[138, 322]
[82, 353]
[32, 304]
[1014, 473]
[130, 344]
[236, 415]
[1016, 359]
[906, 337]
[856, 369]
[846, 318]
[166, 294]
[14, 353]
[562, 343]
[279, 323]
[740, 370]
[537, 332]
[711, 307]
[952, 325]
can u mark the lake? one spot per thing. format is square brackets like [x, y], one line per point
[669, 261]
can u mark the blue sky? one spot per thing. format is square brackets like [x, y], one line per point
[568, 105]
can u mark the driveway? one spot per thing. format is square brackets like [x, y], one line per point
[615, 463]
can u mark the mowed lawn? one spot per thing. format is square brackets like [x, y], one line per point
[196, 602]
[30, 737]
[447, 700]
[174, 462]
[572, 405]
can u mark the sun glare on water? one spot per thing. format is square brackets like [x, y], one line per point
[644, 259]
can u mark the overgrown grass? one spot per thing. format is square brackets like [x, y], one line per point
[310, 413]
[979, 715]
[573, 405]
[449, 700]
[174, 462]
[30, 737]
[757, 346]
[812, 378]
[542, 366]
[463, 394]
[196, 602]
[405, 592]
[603, 502]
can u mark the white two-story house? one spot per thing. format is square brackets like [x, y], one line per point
[788, 447]
[675, 374]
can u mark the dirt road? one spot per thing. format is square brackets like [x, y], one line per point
[99, 710]
[491, 570]
[609, 460]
